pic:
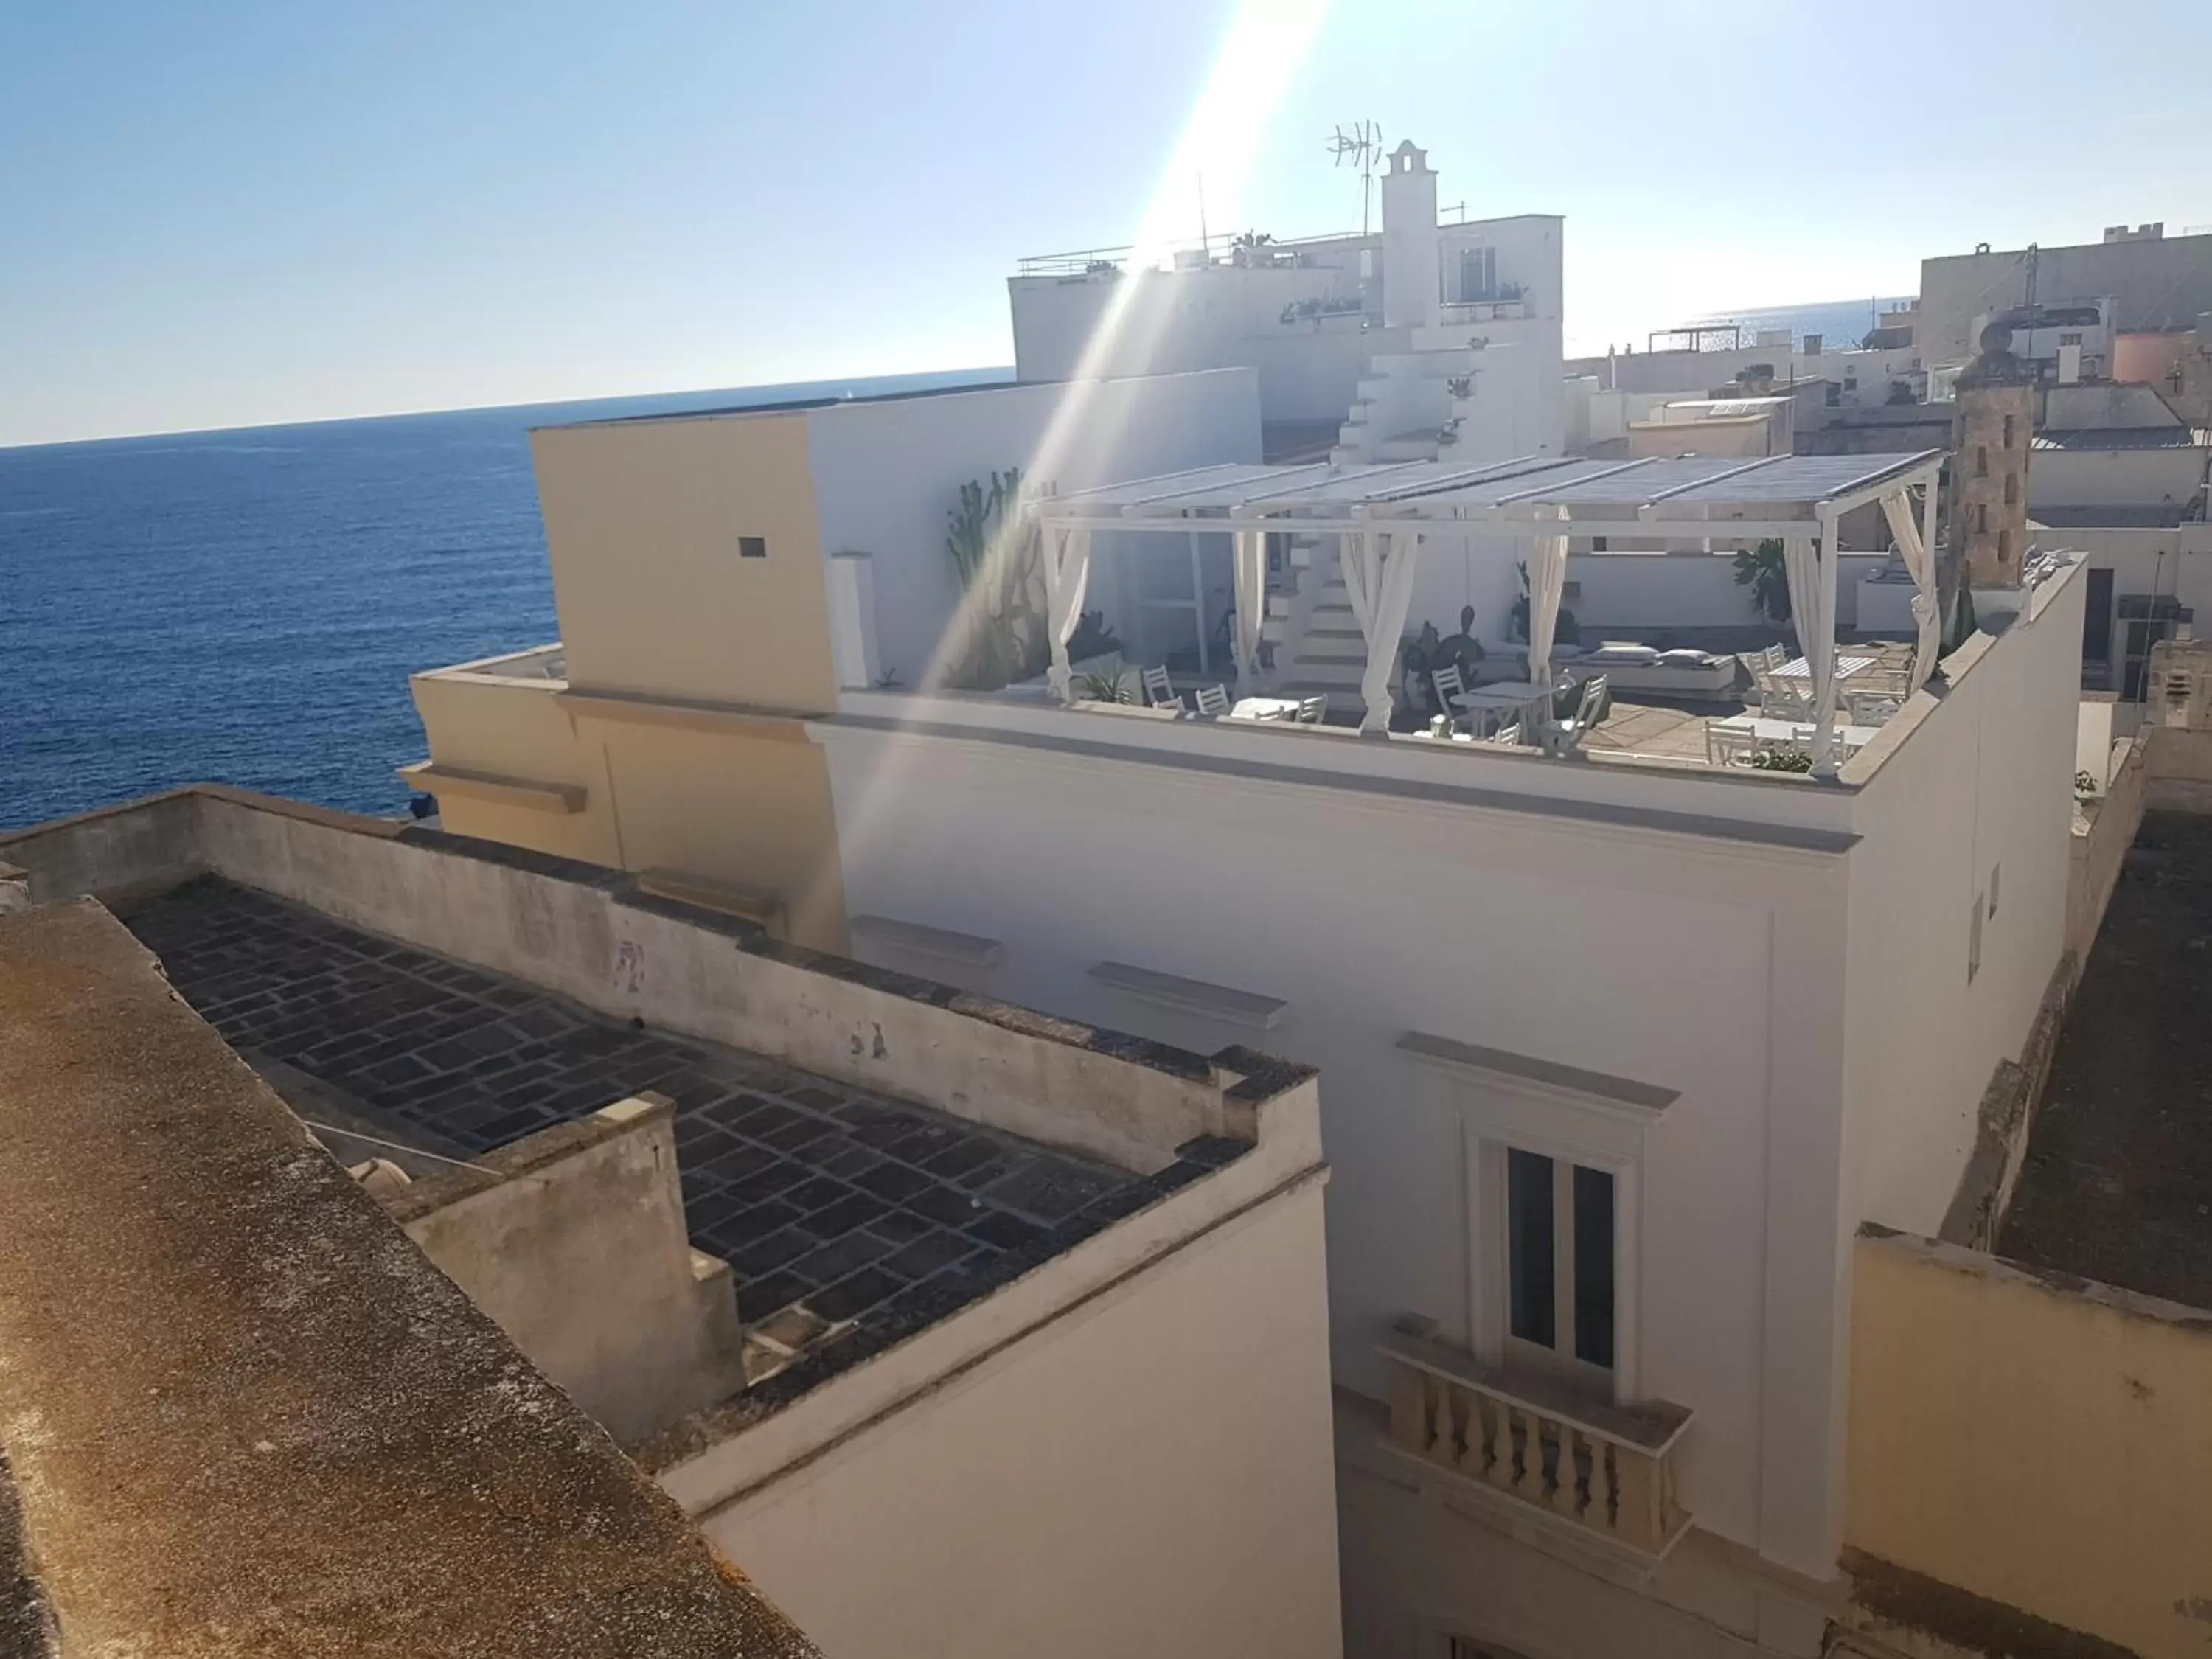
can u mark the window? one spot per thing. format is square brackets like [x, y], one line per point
[1477, 273]
[2012, 488]
[1982, 518]
[2007, 432]
[1835, 395]
[752, 547]
[1981, 460]
[2069, 339]
[1558, 1271]
[2004, 545]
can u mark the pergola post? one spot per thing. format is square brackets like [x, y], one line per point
[1378, 579]
[1249, 558]
[1920, 559]
[1066, 556]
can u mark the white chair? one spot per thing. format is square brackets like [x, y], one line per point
[1728, 745]
[1212, 699]
[1310, 710]
[1784, 698]
[1586, 716]
[1159, 691]
[1506, 737]
[1871, 707]
[1450, 688]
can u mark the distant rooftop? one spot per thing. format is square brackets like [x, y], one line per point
[2176, 436]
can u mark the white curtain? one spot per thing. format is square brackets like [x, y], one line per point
[1066, 556]
[1548, 581]
[1920, 560]
[1378, 578]
[1816, 632]
[1249, 552]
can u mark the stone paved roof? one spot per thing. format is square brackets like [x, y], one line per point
[242, 1414]
[849, 1220]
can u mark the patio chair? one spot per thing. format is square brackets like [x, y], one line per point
[1450, 687]
[1506, 737]
[1212, 699]
[1728, 745]
[1310, 710]
[1570, 734]
[1784, 698]
[1871, 707]
[1159, 691]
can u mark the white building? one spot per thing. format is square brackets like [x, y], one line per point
[1319, 317]
[1624, 1039]
[2153, 282]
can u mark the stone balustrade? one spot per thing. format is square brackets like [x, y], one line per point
[1602, 1468]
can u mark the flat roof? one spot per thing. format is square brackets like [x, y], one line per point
[242, 1413]
[849, 1218]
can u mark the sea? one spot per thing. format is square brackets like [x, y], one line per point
[245, 606]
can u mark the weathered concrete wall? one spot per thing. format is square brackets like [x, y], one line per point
[2180, 770]
[2041, 1442]
[589, 933]
[1148, 1474]
[574, 1242]
[2103, 831]
[140, 846]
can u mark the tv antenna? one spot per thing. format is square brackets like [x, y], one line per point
[1361, 146]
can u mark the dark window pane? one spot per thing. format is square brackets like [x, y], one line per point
[1528, 1228]
[1594, 1267]
[752, 547]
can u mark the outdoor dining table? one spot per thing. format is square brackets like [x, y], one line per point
[1798, 669]
[1265, 708]
[1493, 704]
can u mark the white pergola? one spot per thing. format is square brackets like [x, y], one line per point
[1380, 515]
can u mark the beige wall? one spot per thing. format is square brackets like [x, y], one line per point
[2041, 1443]
[642, 520]
[1146, 1474]
[738, 800]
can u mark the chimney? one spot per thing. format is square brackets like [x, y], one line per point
[1412, 273]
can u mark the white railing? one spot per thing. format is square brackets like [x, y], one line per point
[1602, 1468]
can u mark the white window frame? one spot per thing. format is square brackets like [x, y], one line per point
[1504, 1101]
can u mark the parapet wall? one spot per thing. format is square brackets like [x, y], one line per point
[573, 1240]
[593, 934]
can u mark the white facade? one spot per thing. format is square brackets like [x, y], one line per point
[1817, 980]
[885, 471]
[1314, 317]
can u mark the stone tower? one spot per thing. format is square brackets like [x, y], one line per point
[1413, 279]
[1989, 463]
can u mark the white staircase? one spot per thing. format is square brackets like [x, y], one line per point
[1404, 406]
[1318, 650]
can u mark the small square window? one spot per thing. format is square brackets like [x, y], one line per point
[752, 547]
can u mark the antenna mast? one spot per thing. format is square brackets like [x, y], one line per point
[1361, 146]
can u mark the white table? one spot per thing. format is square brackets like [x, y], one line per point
[1265, 708]
[1500, 699]
[1798, 669]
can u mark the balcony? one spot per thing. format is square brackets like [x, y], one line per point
[1532, 1448]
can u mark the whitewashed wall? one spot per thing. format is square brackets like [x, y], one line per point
[2114, 477]
[1145, 1475]
[1643, 592]
[1985, 783]
[1665, 958]
[2176, 562]
[887, 473]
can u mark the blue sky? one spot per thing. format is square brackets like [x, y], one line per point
[231, 213]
